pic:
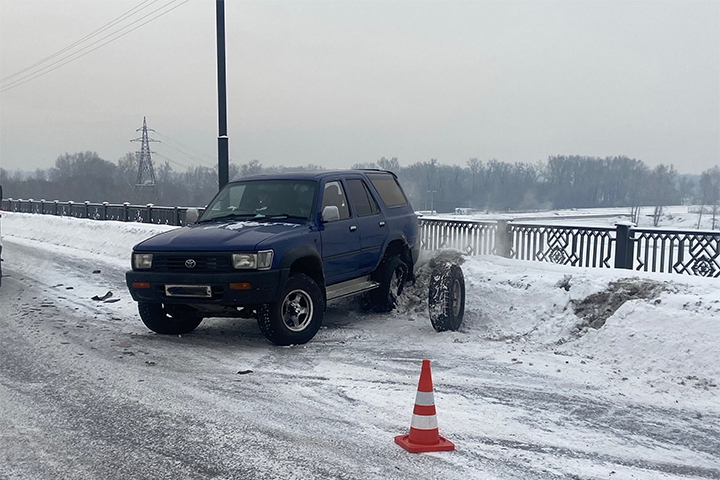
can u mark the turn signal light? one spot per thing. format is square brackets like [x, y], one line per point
[140, 284]
[240, 286]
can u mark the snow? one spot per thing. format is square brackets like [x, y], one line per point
[519, 324]
[665, 342]
[676, 217]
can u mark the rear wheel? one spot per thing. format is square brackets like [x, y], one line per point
[297, 316]
[169, 319]
[447, 298]
[391, 274]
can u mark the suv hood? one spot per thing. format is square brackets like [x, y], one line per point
[221, 236]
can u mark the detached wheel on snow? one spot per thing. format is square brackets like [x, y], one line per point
[169, 319]
[447, 298]
[297, 317]
[392, 275]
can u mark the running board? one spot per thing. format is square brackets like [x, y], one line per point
[350, 287]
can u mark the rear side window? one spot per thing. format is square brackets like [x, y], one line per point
[363, 202]
[389, 189]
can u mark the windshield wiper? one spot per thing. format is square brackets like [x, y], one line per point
[234, 216]
[286, 215]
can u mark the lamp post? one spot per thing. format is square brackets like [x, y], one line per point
[223, 167]
[432, 200]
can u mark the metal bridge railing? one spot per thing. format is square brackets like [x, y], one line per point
[623, 246]
[124, 212]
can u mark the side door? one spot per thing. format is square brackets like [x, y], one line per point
[339, 234]
[371, 224]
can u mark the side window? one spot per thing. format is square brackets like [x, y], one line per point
[333, 195]
[389, 189]
[363, 202]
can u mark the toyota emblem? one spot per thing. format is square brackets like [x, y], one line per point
[190, 263]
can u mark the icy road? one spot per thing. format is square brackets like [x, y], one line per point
[526, 390]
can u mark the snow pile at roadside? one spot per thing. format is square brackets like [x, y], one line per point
[672, 336]
[107, 238]
[657, 331]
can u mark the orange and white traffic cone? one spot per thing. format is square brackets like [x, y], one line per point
[424, 435]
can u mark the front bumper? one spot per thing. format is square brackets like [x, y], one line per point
[264, 286]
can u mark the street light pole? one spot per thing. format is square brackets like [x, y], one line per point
[432, 201]
[223, 163]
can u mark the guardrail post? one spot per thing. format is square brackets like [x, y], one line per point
[87, 208]
[104, 210]
[176, 216]
[503, 239]
[30, 206]
[624, 245]
[149, 213]
[55, 206]
[126, 211]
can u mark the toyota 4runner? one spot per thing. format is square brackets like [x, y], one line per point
[278, 248]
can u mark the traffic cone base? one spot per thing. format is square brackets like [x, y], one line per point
[443, 445]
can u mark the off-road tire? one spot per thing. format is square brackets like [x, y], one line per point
[392, 275]
[297, 316]
[169, 319]
[447, 298]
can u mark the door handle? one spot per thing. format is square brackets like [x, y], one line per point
[382, 224]
[353, 228]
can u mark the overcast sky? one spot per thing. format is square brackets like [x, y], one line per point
[340, 82]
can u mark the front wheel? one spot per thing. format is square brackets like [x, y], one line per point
[297, 316]
[169, 319]
[447, 298]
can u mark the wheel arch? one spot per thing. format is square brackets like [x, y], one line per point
[305, 260]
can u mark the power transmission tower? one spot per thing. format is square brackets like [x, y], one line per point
[146, 173]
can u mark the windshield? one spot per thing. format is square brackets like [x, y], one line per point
[263, 199]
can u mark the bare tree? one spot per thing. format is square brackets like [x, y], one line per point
[710, 193]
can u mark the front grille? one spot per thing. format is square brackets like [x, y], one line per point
[204, 263]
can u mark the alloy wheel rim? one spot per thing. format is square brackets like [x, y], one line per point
[297, 310]
[456, 297]
[396, 282]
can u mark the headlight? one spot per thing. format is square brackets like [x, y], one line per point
[142, 260]
[261, 260]
[244, 260]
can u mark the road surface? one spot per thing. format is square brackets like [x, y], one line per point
[87, 392]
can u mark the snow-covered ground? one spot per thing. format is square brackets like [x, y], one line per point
[680, 217]
[628, 339]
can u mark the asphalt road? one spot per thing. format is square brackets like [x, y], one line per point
[88, 393]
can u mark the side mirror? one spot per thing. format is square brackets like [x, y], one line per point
[191, 215]
[330, 213]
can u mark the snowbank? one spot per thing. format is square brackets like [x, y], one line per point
[108, 238]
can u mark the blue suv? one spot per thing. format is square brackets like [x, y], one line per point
[278, 247]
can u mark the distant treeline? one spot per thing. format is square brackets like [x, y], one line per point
[560, 182]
